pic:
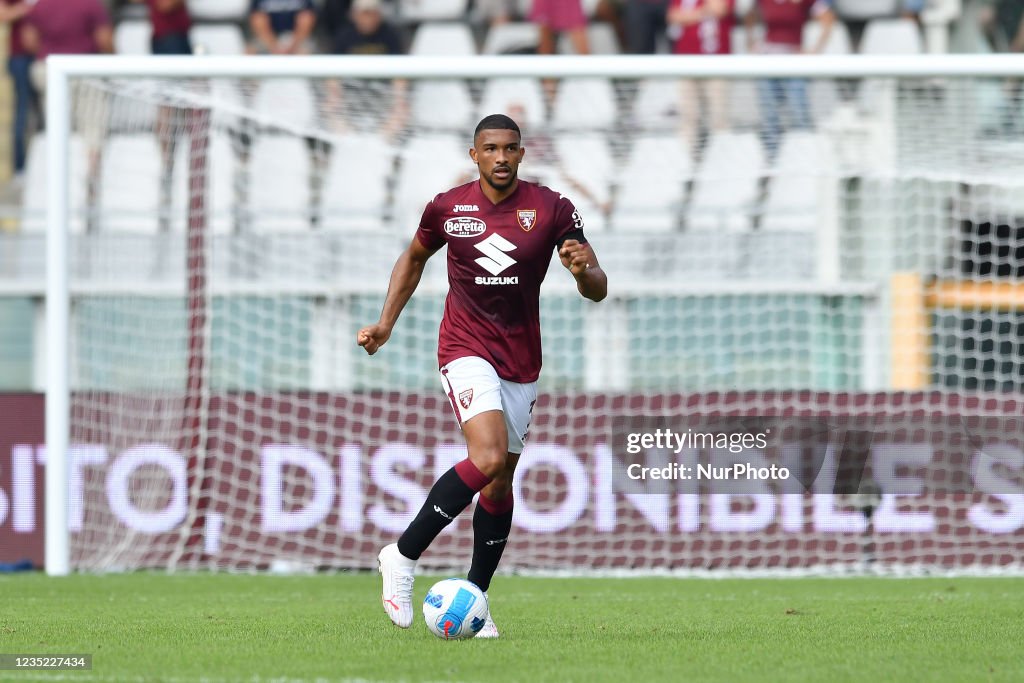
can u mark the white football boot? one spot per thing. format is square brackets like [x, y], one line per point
[489, 630]
[396, 570]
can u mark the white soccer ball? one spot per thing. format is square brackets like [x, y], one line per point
[455, 609]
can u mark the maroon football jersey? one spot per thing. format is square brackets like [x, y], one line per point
[498, 255]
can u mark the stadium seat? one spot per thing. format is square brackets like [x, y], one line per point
[657, 104]
[132, 38]
[838, 42]
[442, 104]
[745, 105]
[217, 39]
[502, 95]
[34, 200]
[585, 169]
[651, 184]
[822, 92]
[221, 181]
[601, 37]
[892, 37]
[279, 189]
[226, 103]
[799, 182]
[129, 196]
[286, 103]
[450, 39]
[430, 163]
[584, 103]
[512, 37]
[432, 10]
[355, 186]
[218, 10]
[726, 183]
[867, 9]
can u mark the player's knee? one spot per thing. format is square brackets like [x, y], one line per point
[490, 460]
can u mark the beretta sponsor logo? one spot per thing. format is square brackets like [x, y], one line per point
[464, 226]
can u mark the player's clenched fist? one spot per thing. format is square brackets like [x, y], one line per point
[574, 256]
[373, 337]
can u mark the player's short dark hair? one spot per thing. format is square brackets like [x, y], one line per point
[496, 122]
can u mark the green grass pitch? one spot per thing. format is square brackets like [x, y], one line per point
[157, 627]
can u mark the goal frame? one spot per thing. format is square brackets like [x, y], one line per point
[61, 70]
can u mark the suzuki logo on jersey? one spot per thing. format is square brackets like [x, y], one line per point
[462, 208]
[465, 226]
[527, 218]
[496, 260]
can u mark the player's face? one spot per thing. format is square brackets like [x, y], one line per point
[497, 153]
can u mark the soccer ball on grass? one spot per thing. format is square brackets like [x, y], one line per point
[455, 609]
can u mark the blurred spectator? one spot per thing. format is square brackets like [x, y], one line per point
[361, 103]
[73, 27]
[702, 27]
[645, 21]
[1003, 23]
[282, 27]
[334, 15]
[560, 16]
[367, 33]
[171, 22]
[65, 27]
[18, 63]
[1004, 26]
[784, 22]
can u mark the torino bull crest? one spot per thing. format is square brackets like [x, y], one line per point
[527, 218]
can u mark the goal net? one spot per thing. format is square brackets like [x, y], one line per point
[829, 243]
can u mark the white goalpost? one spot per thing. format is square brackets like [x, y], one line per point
[217, 228]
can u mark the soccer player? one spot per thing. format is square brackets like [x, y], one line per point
[500, 233]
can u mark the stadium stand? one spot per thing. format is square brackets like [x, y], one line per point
[727, 184]
[601, 39]
[511, 38]
[356, 195]
[892, 37]
[130, 202]
[443, 38]
[217, 39]
[132, 37]
[443, 104]
[584, 103]
[650, 195]
[218, 10]
[432, 10]
[279, 185]
[500, 94]
[797, 190]
[34, 201]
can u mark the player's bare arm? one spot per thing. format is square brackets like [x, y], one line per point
[581, 261]
[405, 277]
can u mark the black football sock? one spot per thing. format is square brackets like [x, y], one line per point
[492, 523]
[449, 496]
